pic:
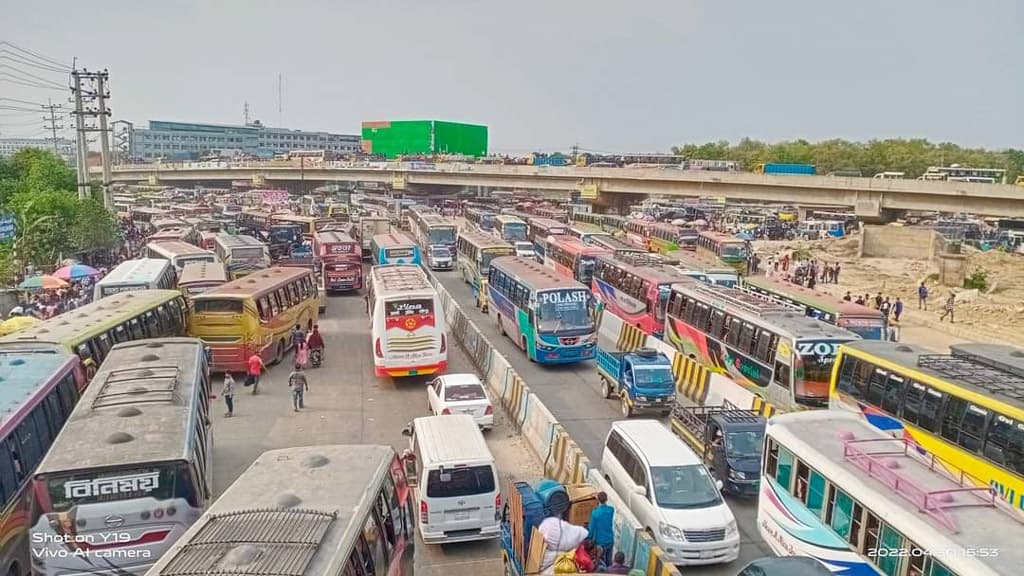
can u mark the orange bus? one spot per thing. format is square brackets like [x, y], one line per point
[254, 314]
[308, 224]
[568, 256]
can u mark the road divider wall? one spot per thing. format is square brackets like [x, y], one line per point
[561, 456]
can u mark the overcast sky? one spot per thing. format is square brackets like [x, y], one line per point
[626, 76]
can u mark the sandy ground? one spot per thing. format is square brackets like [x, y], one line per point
[996, 315]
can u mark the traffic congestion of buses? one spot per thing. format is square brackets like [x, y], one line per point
[876, 456]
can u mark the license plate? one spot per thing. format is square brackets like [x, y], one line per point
[462, 515]
[707, 554]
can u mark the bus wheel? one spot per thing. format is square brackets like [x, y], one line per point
[279, 355]
[501, 327]
[606, 388]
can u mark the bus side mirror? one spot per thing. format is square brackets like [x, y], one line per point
[407, 431]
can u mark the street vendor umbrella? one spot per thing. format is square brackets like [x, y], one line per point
[42, 283]
[12, 325]
[75, 271]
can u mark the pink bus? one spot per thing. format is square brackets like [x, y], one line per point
[637, 293]
[569, 257]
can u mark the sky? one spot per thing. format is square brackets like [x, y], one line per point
[608, 76]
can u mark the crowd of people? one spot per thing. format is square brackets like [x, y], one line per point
[44, 304]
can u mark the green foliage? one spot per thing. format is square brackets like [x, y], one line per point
[39, 190]
[894, 155]
[977, 280]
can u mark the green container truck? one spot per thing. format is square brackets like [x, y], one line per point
[424, 137]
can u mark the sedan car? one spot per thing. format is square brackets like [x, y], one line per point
[460, 394]
[785, 566]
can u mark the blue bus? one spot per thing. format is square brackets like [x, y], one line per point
[394, 248]
[549, 316]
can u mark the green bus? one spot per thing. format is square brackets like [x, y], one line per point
[92, 330]
[866, 322]
[474, 251]
[728, 249]
[550, 317]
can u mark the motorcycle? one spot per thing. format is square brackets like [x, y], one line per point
[316, 357]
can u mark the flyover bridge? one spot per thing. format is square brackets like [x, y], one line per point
[618, 187]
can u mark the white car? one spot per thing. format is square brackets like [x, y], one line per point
[460, 394]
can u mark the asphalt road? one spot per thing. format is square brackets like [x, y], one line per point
[571, 393]
[347, 404]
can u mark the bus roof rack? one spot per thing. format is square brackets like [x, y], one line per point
[986, 376]
[743, 300]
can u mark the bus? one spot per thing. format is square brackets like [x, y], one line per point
[707, 269]
[474, 252]
[618, 248]
[90, 331]
[199, 277]
[549, 317]
[538, 231]
[509, 228]
[571, 258]
[394, 248]
[637, 292]
[556, 214]
[241, 254]
[185, 234]
[765, 347]
[866, 322]
[407, 322]
[667, 238]
[728, 249]
[131, 470]
[254, 315]
[837, 490]
[141, 274]
[161, 224]
[341, 510]
[308, 225]
[481, 219]
[586, 236]
[41, 385]
[638, 233]
[434, 230]
[370, 226]
[340, 261]
[180, 253]
[254, 219]
[964, 407]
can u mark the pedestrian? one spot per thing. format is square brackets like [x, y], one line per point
[848, 298]
[228, 392]
[302, 356]
[299, 385]
[835, 273]
[878, 301]
[298, 337]
[897, 309]
[922, 297]
[618, 565]
[256, 366]
[885, 307]
[948, 308]
[860, 300]
[602, 526]
[811, 281]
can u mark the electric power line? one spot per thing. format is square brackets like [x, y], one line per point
[5, 99]
[36, 55]
[30, 75]
[5, 77]
[13, 57]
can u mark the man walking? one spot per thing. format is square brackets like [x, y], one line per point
[298, 338]
[897, 309]
[228, 392]
[922, 297]
[602, 526]
[299, 385]
[948, 309]
[256, 366]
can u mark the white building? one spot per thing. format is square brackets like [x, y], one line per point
[11, 146]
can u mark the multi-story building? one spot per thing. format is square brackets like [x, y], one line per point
[65, 147]
[189, 141]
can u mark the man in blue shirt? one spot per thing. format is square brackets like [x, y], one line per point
[602, 526]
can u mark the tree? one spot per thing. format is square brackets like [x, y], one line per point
[92, 229]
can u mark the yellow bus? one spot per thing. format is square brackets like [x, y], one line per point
[963, 407]
[92, 330]
[254, 314]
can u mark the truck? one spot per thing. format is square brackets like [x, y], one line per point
[370, 226]
[729, 440]
[641, 379]
[779, 168]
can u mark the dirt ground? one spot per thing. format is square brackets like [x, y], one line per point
[993, 315]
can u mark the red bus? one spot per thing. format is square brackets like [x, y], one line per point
[339, 259]
[638, 233]
[568, 256]
[636, 292]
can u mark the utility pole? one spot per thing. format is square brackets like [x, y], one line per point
[91, 87]
[53, 127]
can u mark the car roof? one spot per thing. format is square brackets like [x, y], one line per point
[656, 443]
[460, 379]
[791, 566]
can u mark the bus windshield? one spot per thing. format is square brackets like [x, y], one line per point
[285, 233]
[442, 236]
[866, 328]
[733, 250]
[514, 232]
[815, 359]
[485, 259]
[745, 444]
[562, 310]
[681, 487]
[183, 260]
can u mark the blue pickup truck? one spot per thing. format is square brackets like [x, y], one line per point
[642, 380]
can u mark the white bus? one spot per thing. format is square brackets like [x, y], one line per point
[199, 277]
[141, 274]
[241, 254]
[180, 253]
[305, 511]
[130, 471]
[408, 323]
[837, 489]
[509, 228]
[474, 252]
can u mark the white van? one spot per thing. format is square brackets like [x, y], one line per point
[670, 491]
[458, 492]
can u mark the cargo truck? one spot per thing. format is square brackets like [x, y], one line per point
[728, 438]
[779, 168]
[642, 380]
